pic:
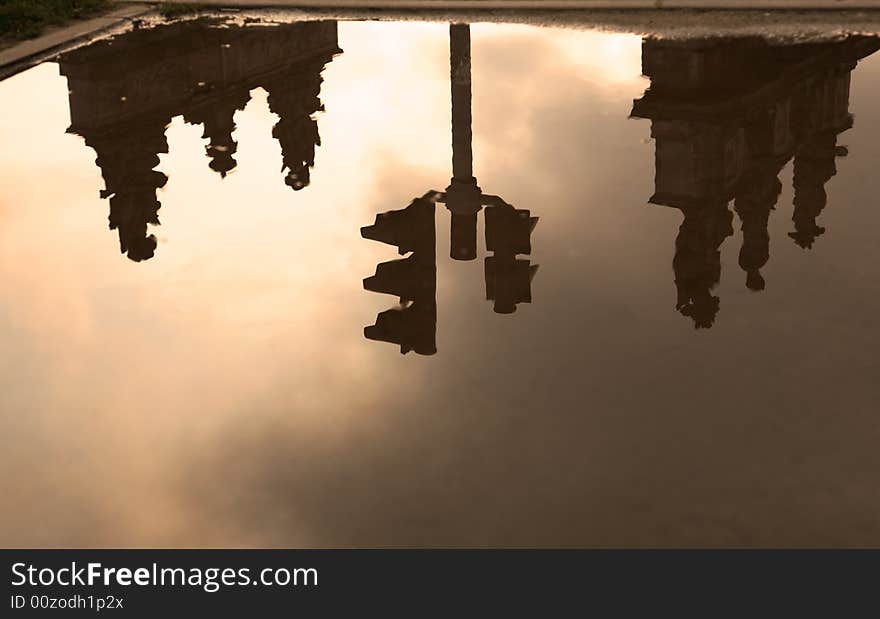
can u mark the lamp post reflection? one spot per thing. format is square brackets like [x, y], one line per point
[508, 232]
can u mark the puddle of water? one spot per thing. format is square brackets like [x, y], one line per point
[216, 242]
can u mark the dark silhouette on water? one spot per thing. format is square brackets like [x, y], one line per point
[125, 91]
[463, 196]
[294, 97]
[216, 116]
[413, 325]
[508, 278]
[758, 197]
[127, 154]
[697, 261]
[813, 166]
[726, 116]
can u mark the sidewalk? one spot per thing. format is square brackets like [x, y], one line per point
[690, 17]
[543, 4]
[29, 52]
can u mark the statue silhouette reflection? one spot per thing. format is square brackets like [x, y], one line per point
[726, 116]
[125, 91]
[413, 324]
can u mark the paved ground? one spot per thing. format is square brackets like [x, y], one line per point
[802, 18]
[29, 52]
[548, 4]
[682, 23]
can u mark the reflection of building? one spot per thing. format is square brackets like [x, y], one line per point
[127, 154]
[124, 92]
[760, 190]
[294, 97]
[726, 116]
[697, 261]
[215, 116]
[508, 233]
[813, 167]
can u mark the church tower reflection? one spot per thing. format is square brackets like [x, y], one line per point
[726, 116]
[127, 156]
[697, 261]
[508, 232]
[125, 91]
[294, 97]
[753, 204]
[814, 165]
[216, 116]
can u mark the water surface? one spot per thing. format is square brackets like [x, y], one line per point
[693, 362]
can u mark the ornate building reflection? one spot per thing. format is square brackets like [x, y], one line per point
[413, 324]
[726, 116]
[125, 91]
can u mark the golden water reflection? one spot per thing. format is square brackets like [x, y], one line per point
[213, 385]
